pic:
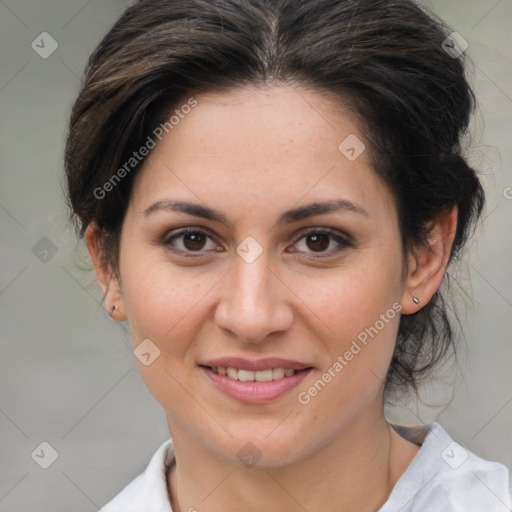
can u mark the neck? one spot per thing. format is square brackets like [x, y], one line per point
[355, 471]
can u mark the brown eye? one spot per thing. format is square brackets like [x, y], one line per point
[322, 242]
[317, 242]
[194, 241]
[190, 240]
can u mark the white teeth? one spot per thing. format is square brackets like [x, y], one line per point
[278, 373]
[263, 375]
[232, 373]
[251, 376]
[245, 375]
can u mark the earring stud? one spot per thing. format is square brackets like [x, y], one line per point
[416, 300]
[114, 308]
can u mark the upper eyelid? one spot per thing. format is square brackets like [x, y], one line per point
[328, 231]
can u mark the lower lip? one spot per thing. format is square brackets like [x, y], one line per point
[255, 392]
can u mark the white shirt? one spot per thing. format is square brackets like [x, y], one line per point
[442, 477]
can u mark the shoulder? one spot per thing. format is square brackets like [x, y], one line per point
[148, 491]
[444, 476]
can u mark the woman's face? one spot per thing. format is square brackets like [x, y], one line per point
[266, 276]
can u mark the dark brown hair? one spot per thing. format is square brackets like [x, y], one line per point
[387, 59]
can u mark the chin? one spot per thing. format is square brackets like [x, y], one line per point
[261, 448]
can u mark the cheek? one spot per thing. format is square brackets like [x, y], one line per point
[356, 318]
[162, 301]
[164, 304]
[351, 299]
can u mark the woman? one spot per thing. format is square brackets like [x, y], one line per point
[271, 192]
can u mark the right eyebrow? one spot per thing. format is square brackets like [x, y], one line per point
[195, 209]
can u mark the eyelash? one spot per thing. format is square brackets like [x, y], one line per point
[343, 241]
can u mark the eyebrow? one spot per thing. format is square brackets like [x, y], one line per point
[289, 216]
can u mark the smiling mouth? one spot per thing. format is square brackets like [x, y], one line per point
[254, 376]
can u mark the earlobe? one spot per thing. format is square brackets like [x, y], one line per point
[113, 309]
[107, 281]
[427, 266]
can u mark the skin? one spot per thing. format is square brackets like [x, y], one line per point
[254, 153]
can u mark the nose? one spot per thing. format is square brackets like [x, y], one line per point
[253, 302]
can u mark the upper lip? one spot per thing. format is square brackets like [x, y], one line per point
[255, 365]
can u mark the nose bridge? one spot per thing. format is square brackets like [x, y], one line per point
[251, 306]
[251, 282]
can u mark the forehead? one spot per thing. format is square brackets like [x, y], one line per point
[256, 123]
[255, 147]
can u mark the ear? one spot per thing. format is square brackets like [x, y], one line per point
[107, 280]
[428, 264]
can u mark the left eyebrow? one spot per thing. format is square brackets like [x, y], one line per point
[293, 215]
[320, 208]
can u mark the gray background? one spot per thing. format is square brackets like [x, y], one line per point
[67, 372]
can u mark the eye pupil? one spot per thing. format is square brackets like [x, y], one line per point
[194, 241]
[320, 242]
